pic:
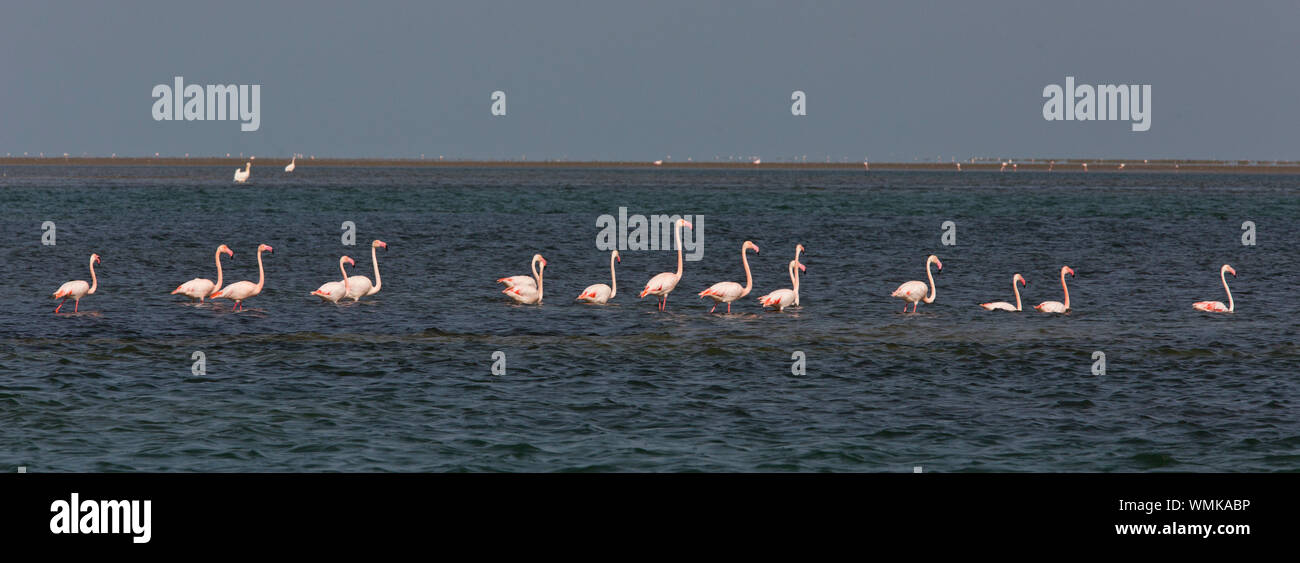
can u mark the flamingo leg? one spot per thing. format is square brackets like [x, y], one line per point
[76, 303]
[56, 309]
[715, 306]
[728, 307]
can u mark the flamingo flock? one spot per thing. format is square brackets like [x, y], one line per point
[528, 289]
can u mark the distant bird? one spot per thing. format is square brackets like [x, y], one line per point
[528, 293]
[1085, 167]
[1121, 166]
[78, 289]
[201, 288]
[1003, 305]
[601, 293]
[292, 164]
[1057, 306]
[658, 163]
[959, 167]
[239, 291]
[663, 284]
[1004, 167]
[334, 291]
[915, 291]
[241, 176]
[360, 286]
[758, 160]
[727, 292]
[1217, 306]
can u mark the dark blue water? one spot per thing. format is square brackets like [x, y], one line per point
[402, 381]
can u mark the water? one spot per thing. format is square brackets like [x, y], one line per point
[402, 381]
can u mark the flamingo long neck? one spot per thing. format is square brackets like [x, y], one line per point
[1016, 289]
[539, 288]
[345, 275]
[261, 274]
[247, 167]
[613, 279]
[749, 279]
[374, 259]
[933, 290]
[1223, 276]
[794, 279]
[94, 282]
[218, 260]
[678, 235]
[1066, 289]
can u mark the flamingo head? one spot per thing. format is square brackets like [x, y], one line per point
[1021, 279]
[618, 257]
[749, 245]
[936, 261]
[685, 223]
[347, 260]
[226, 250]
[798, 248]
[800, 265]
[379, 244]
[265, 247]
[1067, 270]
[538, 258]
[1229, 269]
[95, 259]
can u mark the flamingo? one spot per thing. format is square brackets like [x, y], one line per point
[239, 291]
[1057, 306]
[663, 284]
[523, 280]
[292, 164]
[360, 286]
[1003, 305]
[726, 292]
[527, 293]
[783, 298]
[1217, 306]
[200, 288]
[334, 291]
[78, 288]
[601, 293]
[241, 176]
[658, 163]
[914, 291]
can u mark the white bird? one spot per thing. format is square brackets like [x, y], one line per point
[241, 176]
[239, 291]
[914, 291]
[1057, 306]
[525, 293]
[783, 298]
[1217, 306]
[360, 286]
[200, 288]
[78, 288]
[292, 164]
[727, 292]
[664, 283]
[334, 291]
[513, 281]
[601, 293]
[1003, 305]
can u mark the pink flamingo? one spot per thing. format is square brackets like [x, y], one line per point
[915, 291]
[200, 288]
[528, 293]
[783, 298]
[1057, 306]
[726, 292]
[1003, 305]
[1217, 306]
[78, 288]
[513, 281]
[334, 291]
[601, 293]
[360, 286]
[239, 291]
[241, 176]
[663, 284]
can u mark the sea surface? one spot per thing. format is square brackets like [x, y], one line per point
[403, 381]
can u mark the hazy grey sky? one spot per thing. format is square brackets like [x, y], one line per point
[641, 80]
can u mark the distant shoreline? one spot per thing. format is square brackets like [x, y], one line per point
[1036, 165]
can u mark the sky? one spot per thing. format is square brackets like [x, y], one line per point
[613, 80]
